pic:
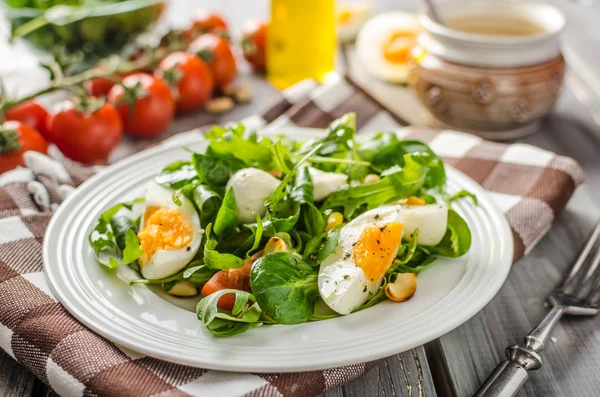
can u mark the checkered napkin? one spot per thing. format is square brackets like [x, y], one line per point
[530, 185]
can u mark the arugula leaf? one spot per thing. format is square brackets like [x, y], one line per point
[244, 315]
[405, 252]
[114, 238]
[216, 260]
[285, 287]
[463, 193]
[207, 201]
[369, 148]
[227, 218]
[394, 154]
[257, 234]
[176, 175]
[339, 139]
[250, 148]
[281, 158]
[457, 240]
[397, 184]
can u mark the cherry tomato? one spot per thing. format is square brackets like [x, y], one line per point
[229, 279]
[17, 138]
[99, 87]
[206, 22]
[31, 114]
[254, 42]
[191, 78]
[145, 104]
[216, 52]
[86, 130]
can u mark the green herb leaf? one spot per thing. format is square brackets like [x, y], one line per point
[285, 287]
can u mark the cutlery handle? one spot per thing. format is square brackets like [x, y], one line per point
[510, 375]
[505, 381]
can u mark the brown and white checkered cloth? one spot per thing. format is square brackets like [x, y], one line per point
[530, 185]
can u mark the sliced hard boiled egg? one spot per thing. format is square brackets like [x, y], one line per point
[367, 246]
[385, 43]
[325, 183]
[252, 187]
[350, 17]
[430, 219]
[169, 234]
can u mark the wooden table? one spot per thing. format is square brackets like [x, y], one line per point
[457, 363]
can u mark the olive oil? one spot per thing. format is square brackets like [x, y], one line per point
[301, 41]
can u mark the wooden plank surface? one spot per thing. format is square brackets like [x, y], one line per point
[462, 359]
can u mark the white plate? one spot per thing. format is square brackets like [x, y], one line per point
[449, 292]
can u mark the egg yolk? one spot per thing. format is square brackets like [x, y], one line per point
[376, 248]
[163, 229]
[345, 16]
[397, 48]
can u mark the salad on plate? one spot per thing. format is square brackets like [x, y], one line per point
[277, 231]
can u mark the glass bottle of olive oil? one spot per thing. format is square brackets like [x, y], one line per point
[301, 41]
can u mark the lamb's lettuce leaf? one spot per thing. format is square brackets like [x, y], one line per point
[285, 287]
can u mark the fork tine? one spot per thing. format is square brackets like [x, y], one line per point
[587, 283]
[570, 283]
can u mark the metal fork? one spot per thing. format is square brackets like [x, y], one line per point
[578, 294]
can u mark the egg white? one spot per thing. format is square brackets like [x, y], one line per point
[430, 219]
[372, 39]
[252, 187]
[165, 263]
[361, 12]
[343, 285]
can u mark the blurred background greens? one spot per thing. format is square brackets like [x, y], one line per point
[94, 27]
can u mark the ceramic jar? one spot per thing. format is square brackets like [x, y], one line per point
[496, 86]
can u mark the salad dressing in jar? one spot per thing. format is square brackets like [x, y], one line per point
[301, 41]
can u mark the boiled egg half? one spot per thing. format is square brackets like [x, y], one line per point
[169, 234]
[367, 246]
[350, 17]
[251, 187]
[384, 45]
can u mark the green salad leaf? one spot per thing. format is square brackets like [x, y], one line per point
[245, 315]
[457, 240]
[463, 194]
[215, 169]
[216, 260]
[285, 287]
[177, 175]
[227, 218]
[369, 148]
[207, 201]
[302, 192]
[114, 238]
[196, 273]
[400, 182]
[394, 154]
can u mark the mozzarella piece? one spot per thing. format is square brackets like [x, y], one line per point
[325, 183]
[252, 187]
[165, 263]
[431, 220]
